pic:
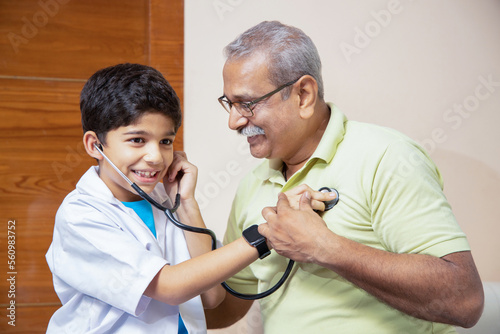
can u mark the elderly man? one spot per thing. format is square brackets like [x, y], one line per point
[388, 258]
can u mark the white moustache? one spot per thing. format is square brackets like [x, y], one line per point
[250, 131]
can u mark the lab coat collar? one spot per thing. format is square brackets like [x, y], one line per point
[92, 185]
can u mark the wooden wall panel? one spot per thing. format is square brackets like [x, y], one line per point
[32, 319]
[167, 43]
[42, 158]
[71, 38]
[41, 154]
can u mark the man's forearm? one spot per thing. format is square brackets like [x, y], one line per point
[446, 290]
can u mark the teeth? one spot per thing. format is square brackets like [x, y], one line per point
[146, 174]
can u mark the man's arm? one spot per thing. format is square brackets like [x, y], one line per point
[446, 289]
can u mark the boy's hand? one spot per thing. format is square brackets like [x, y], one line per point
[317, 197]
[181, 169]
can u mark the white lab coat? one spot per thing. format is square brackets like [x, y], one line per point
[103, 257]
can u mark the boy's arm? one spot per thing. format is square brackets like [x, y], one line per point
[181, 178]
[199, 244]
[179, 283]
[198, 275]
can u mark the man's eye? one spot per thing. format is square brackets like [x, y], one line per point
[247, 106]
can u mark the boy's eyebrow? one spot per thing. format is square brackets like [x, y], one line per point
[143, 133]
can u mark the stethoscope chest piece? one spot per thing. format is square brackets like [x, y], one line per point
[330, 204]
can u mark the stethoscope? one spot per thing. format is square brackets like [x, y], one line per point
[169, 212]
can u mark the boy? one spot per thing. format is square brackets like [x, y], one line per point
[118, 264]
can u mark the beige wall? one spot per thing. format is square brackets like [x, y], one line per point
[430, 69]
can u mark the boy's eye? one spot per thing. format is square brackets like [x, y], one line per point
[167, 141]
[137, 140]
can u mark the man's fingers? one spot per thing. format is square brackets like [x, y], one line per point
[268, 212]
[263, 229]
[282, 201]
[305, 201]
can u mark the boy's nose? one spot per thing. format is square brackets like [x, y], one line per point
[236, 121]
[153, 155]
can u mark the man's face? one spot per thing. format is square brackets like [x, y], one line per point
[246, 80]
[142, 151]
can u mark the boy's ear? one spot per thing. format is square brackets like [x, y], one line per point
[308, 96]
[89, 141]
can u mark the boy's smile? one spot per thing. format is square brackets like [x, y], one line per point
[142, 151]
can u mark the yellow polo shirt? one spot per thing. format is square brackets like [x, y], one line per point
[391, 199]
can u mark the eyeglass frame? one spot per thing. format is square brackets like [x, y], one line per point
[251, 104]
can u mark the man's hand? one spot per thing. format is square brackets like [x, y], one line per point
[293, 233]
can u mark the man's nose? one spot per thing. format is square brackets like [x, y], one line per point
[236, 121]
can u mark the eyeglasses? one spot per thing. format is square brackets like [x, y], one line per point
[246, 108]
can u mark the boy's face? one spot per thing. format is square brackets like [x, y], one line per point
[143, 151]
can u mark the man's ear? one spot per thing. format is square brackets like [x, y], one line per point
[89, 141]
[308, 95]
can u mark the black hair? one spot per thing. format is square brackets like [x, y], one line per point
[118, 95]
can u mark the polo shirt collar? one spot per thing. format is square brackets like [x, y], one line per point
[270, 169]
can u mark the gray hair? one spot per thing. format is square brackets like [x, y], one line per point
[289, 51]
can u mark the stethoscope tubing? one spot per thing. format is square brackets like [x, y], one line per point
[169, 212]
[170, 215]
